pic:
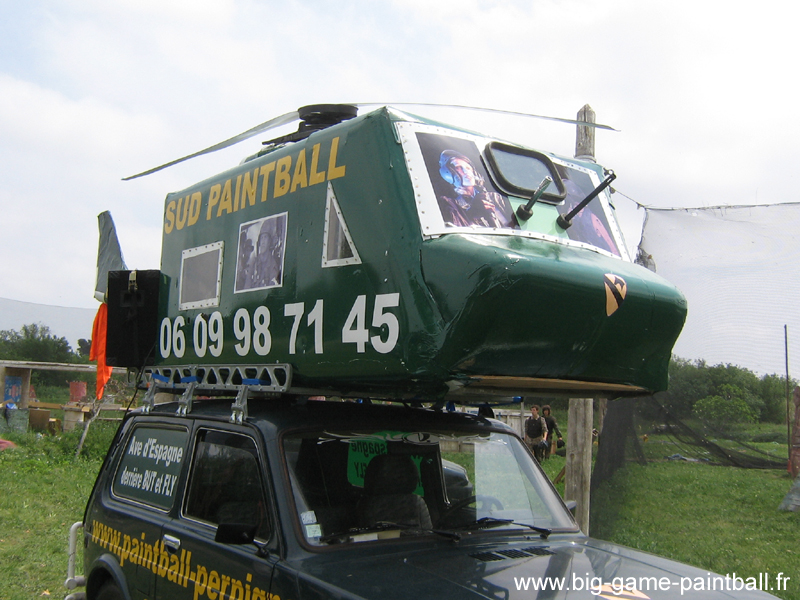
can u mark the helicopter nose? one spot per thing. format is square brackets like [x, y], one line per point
[549, 311]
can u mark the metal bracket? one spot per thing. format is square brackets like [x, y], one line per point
[239, 407]
[185, 403]
[133, 286]
[157, 383]
[149, 398]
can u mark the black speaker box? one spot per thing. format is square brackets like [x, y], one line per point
[132, 299]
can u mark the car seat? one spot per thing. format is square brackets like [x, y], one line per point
[389, 484]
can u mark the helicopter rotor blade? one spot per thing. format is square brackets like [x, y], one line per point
[267, 125]
[294, 116]
[492, 110]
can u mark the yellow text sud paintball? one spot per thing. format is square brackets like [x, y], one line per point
[282, 176]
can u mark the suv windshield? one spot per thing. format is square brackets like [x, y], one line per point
[369, 485]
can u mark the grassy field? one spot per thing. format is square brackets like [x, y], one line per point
[44, 491]
[723, 519]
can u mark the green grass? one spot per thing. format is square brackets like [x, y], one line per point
[44, 491]
[723, 519]
[552, 467]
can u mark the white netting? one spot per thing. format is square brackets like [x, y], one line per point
[739, 270]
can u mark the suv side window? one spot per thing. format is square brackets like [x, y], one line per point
[225, 485]
[151, 465]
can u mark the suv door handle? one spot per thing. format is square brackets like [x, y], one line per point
[172, 544]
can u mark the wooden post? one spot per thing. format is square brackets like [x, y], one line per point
[579, 458]
[584, 139]
[788, 394]
[602, 407]
[794, 441]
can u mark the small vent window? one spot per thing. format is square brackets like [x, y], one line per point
[201, 274]
[338, 245]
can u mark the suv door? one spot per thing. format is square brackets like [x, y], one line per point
[125, 518]
[226, 485]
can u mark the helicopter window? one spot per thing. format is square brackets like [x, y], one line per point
[338, 247]
[519, 172]
[201, 273]
[464, 183]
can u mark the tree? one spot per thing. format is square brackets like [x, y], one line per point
[688, 383]
[746, 383]
[773, 392]
[721, 411]
[693, 381]
[35, 342]
[84, 347]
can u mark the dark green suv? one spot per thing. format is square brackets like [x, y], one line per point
[302, 499]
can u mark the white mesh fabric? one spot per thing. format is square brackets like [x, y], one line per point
[739, 268]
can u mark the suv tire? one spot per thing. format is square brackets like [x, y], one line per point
[109, 591]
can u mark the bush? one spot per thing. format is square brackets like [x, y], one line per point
[691, 381]
[721, 411]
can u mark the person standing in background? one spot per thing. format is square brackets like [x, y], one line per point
[553, 432]
[536, 433]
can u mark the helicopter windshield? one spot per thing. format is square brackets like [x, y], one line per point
[468, 190]
[369, 485]
[520, 172]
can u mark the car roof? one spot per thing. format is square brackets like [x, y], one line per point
[288, 413]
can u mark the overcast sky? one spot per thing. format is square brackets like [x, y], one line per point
[94, 90]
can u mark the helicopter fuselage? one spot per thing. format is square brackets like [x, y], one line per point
[383, 255]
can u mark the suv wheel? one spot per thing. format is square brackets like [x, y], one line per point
[109, 591]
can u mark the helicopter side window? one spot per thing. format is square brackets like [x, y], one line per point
[338, 247]
[201, 275]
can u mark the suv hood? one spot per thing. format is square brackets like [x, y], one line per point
[532, 569]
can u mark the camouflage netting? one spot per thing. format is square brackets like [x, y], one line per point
[737, 267]
[642, 430]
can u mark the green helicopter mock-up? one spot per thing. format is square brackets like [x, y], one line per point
[386, 255]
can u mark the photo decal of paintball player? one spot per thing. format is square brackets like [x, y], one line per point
[261, 252]
[590, 225]
[470, 204]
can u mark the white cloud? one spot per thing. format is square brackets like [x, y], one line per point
[92, 90]
[36, 118]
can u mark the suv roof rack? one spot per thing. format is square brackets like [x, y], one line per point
[217, 380]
